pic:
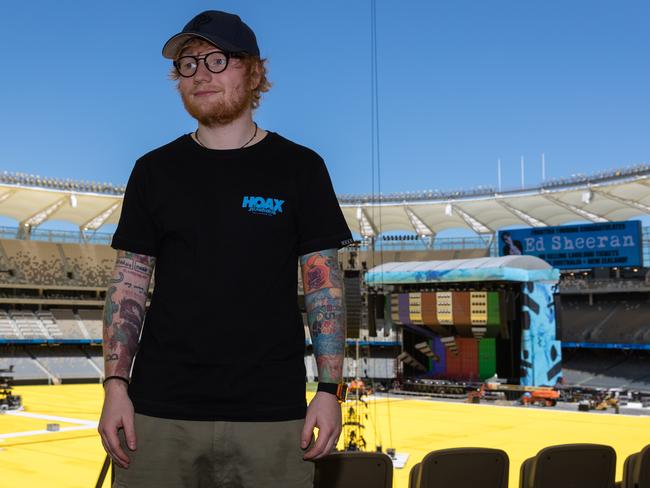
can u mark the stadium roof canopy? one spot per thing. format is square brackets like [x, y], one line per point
[616, 195]
[32, 200]
[506, 268]
[619, 195]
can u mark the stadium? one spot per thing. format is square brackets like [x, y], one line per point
[437, 326]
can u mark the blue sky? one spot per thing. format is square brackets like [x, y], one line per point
[461, 83]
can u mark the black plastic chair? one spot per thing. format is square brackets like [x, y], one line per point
[570, 466]
[636, 470]
[464, 467]
[413, 476]
[354, 470]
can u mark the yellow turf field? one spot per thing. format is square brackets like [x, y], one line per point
[73, 457]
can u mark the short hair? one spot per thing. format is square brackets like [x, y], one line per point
[250, 63]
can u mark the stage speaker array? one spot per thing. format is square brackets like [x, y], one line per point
[353, 302]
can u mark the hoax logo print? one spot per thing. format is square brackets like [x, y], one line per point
[262, 205]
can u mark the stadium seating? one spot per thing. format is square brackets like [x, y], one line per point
[91, 265]
[69, 324]
[54, 364]
[98, 359]
[25, 368]
[463, 467]
[48, 263]
[636, 470]
[49, 323]
[606, 321]
[66, 365]
[33, 262]
[8, 328]
[92, 320]
[29, 326]
[354, 470]
[606, 369]
[570, 466]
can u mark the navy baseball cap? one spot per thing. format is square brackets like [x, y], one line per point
[224, 30]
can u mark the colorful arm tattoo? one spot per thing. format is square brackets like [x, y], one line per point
[322, 284]
[124, 310]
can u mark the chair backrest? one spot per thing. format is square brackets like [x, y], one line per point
[465, 467]
[354, 470]
[524, 472]
[414, 475]
[570, 466]
[636, 470]
[642, 468]
[627, 471]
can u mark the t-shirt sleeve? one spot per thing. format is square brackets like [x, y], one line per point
[136, 231]
[321, 224]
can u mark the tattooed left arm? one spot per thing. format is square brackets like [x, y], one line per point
[322, 284]
[323, 288]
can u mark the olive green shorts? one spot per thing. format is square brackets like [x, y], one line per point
[206, 454]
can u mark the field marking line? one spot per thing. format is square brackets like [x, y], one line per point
[41, 416]
[41, 432]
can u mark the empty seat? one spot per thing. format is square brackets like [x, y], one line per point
[570, 466]
[413, 476]
[354, 470]
[463, 467]
[636, 470]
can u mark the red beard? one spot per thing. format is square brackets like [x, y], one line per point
[220, 112]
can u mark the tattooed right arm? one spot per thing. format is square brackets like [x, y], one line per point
[124, 310]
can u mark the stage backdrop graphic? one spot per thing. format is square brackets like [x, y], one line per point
[602, 245]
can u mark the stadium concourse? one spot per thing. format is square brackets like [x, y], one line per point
[53, 283]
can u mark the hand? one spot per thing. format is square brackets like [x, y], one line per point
[323, 412]
[117, 412]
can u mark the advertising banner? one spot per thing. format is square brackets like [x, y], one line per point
[602, 245]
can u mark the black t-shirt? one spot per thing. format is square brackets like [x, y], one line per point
[223, 338]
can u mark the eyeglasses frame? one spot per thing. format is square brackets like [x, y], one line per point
[203, 58]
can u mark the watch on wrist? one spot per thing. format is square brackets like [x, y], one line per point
[340, 390]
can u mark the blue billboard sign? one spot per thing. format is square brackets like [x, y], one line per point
[578, 246]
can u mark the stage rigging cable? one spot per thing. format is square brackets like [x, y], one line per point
[376, 175]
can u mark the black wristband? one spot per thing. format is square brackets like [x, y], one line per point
[328, 387]
[112, 377]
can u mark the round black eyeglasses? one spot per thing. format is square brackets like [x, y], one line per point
[215, 62]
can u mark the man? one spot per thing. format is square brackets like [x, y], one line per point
[511, 247]
[216, 395]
